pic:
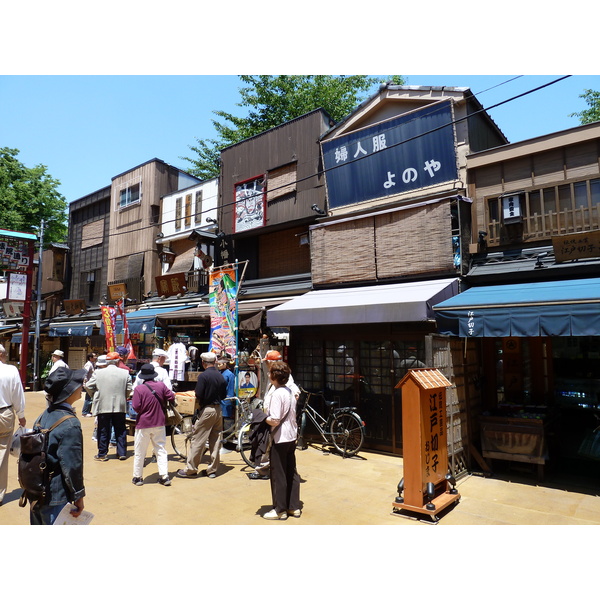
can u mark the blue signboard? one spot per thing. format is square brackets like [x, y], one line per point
[409, 152]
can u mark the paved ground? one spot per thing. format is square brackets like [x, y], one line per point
[335, 491]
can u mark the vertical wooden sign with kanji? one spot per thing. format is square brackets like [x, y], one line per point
[426, 484]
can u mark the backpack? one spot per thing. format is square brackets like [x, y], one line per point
[33, 473]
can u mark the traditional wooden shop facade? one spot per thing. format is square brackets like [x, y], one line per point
[394, 242]
[531, 313]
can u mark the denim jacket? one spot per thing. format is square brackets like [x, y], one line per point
[65, 455]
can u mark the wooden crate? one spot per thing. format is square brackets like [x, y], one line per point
[192, 375]
[186, 402]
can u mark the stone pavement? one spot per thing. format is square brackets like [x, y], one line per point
[334, 491]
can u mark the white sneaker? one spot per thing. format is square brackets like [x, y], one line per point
[273, 515]
[294, 513]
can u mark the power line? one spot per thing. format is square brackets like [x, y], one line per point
[324, 171]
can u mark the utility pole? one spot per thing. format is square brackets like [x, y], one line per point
[38, 312]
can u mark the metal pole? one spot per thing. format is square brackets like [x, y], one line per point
[38, 312]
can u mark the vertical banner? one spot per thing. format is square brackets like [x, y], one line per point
[223, 311]
[126, 338]
[109, 320]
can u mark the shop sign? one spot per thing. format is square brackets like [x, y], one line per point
[409, 152]
[117, 291]
[17, 286]
[171, 285]
[576, 245]
[13, 309]
[74, 307]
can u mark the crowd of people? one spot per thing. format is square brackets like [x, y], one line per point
[114, 392]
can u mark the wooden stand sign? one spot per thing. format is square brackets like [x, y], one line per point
[427, 486]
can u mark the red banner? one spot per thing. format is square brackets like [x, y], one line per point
[126, 338]
[109, 320]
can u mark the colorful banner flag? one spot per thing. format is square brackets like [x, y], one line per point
[126, 338]
[223, 311]
[109, 319]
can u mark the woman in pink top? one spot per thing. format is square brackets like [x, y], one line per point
[285, 481]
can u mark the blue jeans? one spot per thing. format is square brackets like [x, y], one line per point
[45, 515]
[87, 405]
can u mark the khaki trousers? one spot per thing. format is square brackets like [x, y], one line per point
[7, 425]
[207, 428]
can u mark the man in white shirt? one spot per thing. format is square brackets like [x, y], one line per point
[12, 402]
[57, 359]
[158, 360]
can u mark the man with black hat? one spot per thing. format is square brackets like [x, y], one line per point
[65, 447]
[149, 400]
[210, 390]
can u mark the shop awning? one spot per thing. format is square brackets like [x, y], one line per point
[542, 308]
[141, 321]
[83, 328]
[391, 303]
[17, 338]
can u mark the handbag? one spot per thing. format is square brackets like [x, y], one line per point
[172, 416]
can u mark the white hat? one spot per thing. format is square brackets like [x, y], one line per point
[208, 357]
[58, 353]
[159, 352]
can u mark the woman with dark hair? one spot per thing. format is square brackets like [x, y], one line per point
[281, 411]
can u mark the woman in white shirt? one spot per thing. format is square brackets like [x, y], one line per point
[285, 481]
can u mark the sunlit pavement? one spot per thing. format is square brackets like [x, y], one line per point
[334, 491]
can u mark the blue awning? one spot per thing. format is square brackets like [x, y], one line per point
[85, 328]
[18, 337]
[541, 308]
[141, 321]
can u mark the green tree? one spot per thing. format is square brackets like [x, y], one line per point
[28, 196]
[591, 114]
[274, 99]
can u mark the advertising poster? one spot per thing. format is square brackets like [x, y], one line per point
[109, 320]
[223, 311]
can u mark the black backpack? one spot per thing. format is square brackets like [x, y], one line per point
[33, 473]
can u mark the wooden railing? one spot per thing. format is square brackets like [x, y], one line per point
[545, 226]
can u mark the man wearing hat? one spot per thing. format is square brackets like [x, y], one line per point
[110, 387]
[57, 360]
[148, 401]
[65, 447]
[159, 357]
[12, 402]
[211, 389]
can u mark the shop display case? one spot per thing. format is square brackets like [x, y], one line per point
[519, 436]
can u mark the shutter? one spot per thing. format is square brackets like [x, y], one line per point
[92, 234]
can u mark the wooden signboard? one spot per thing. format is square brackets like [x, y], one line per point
[426, 486]
[576, 245]
[171, 285]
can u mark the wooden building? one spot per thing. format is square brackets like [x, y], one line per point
[530, 309]
[394, 242]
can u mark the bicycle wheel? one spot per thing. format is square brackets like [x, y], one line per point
[347, 433]
[180, 437]
[244, 446]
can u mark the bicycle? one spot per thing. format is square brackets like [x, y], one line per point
[181, 435]
[343, 428]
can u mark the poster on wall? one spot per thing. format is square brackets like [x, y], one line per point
[223, 311]
[249, 205]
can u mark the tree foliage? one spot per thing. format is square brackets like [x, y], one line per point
[275, 99]
[28, 196]
[591, 114]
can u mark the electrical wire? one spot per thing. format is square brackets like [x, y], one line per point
[322, 172]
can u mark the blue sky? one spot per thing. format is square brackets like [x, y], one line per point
[87, 129]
